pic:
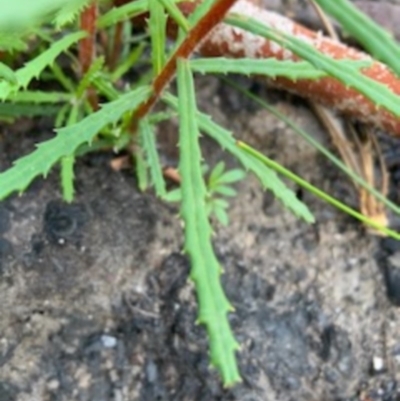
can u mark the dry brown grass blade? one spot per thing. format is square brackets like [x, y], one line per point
[361, 158]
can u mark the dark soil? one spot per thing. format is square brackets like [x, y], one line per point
[96, 305]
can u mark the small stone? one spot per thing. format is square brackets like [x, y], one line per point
[108, 341]
[378, 364]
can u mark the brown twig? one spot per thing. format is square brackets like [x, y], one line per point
[87, 47]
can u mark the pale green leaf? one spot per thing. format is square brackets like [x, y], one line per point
[270, 67]
[205, 272]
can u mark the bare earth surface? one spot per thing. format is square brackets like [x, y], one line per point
[95, 302]
[96, 305]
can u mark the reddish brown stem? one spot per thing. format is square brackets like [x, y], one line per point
[116, 47]
[87, 47]
[192, 40]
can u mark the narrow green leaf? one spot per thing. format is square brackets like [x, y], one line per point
[149, 146]
[39, 162]
[221, 215]
[62, 78]
[205, 272]
[157, 24]
[231, 176]
[173, 196]
[27, 110]
[316, 191]
[123, 13]
[40, 97]
[380, 94]
[267, 177]
[141, 169]
[216, 172]
[67, 177]
[268, 67]
[225, 190]
[374, 38]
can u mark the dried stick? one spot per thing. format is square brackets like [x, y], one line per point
[87, 47]
[225, 40]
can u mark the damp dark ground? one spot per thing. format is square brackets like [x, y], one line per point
[95, 301]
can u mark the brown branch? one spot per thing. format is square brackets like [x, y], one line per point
[192, 40]
[87, 47]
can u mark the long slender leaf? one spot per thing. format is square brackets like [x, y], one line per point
[316, 191]
[205, 272]
[67, 177]
[153, 161]
[27, 110]
[269, 67]
[40, 97]
[157, 24]
[313, 142]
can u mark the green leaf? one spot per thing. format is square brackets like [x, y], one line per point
[216, 172]
[149, 146]
[225, 190]
[157, 26]
[380, 94]
[123, 13]
[231, 176]
[40, 97]
[268, 67]
[40, 161]
[67, 177]
[220, 203]
[374, 38]
[267, 177]
[141, 169]
[27, 110]
[205, 272]
[173, 196]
